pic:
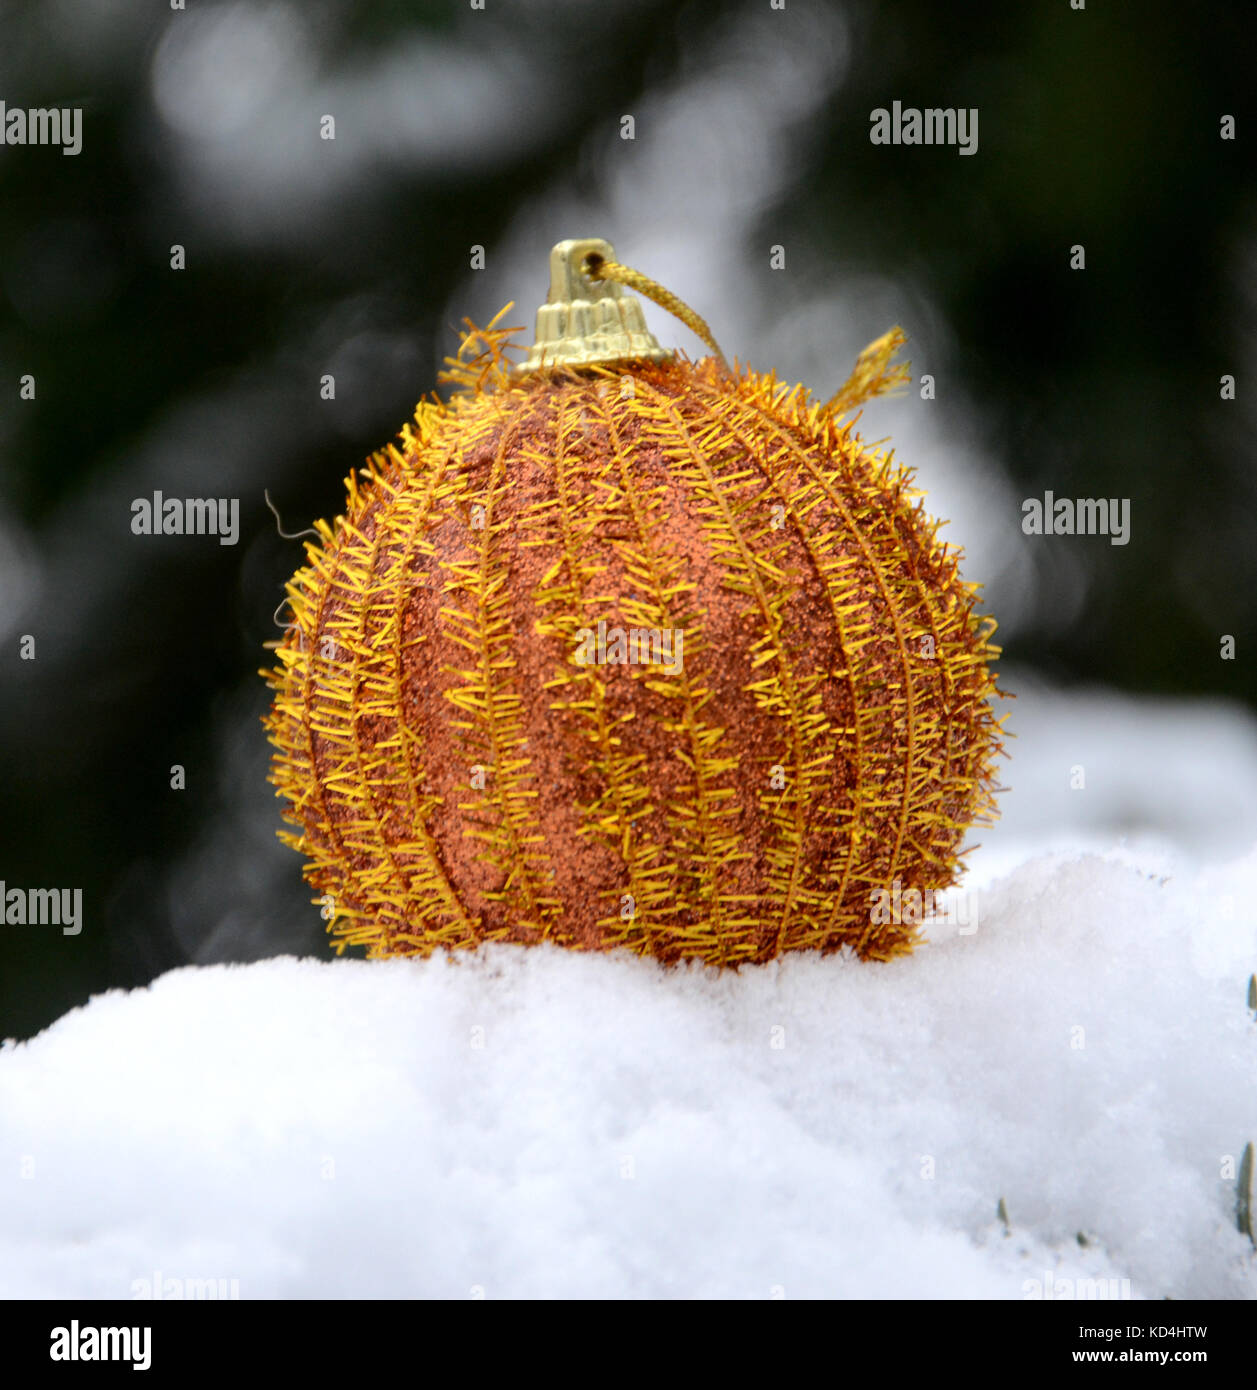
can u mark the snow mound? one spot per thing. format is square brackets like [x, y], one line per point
[531, 1122]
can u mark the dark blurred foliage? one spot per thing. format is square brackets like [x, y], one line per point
[1099, 127]
[1105, 382]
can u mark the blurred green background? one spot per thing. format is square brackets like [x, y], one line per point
[501, 128]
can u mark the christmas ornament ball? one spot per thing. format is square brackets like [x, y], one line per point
[616, 649]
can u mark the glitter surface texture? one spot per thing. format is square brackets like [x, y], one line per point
[473, 740]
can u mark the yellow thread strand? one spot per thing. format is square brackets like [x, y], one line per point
[873, 375]
[599, 268]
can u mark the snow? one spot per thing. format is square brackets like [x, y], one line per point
[537, 1123]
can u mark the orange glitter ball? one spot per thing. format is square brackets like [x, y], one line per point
[625, 650]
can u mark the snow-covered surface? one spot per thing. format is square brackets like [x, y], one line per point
[538, 1123]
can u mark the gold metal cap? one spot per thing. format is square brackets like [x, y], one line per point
[586, 322]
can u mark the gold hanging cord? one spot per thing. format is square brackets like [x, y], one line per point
[597, 267]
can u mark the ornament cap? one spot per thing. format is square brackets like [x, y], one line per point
[587, 322]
